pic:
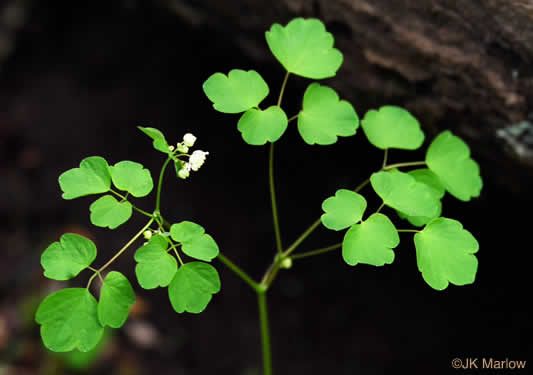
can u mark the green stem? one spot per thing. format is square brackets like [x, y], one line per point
[265, 333]
[407, 230]
[280, 97]
[273, 199]
[385, 158]
[239, 272]
[135, 208]
[302, 237]
[293, 118]
[408, 164]
[322, 250]
[160, 183]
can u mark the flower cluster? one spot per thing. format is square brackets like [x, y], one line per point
[196, 159]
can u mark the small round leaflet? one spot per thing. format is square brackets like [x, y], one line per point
[116, 298]
[237, 92]
[259, 127]
[159, 143]
[392, 127]
[194, 241]
[343, 210]
[324, 117]
[132, 177]
[305, 48]
[445, 253]
[106, 211]
[92, 177]
[155, 266]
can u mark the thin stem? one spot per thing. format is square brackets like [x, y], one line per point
[302, 237]
[280, 97]
[380, 207]
[293, 118]
[239, 272]
[273, 199]
[408, 164]
[160, 183]
[385, 158]
[361, 185]
[135, 208]
[124, 248]
[322, 250]
[265, 334]
[408, 230]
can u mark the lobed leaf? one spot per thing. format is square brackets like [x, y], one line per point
[106, 211]
[445, 254]
[132, 177]
[404, 193]
[195, 242]
[448, 156]
[65, 259]
[392, 127]
[305, 48]
[258, 127]
[159, 143]
[343, 210]
[69, 320]
[116, 298]
[92, 177]
[193, 286]
[237, 92]
[324, 117]
[155, 266]
[371, 242]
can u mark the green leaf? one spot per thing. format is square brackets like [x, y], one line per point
[324, 117]
[160, 143]
[237, 92]
[116, 298]
[65, 259]
[106, 211]
[444, 253]
[371, 242]
[428, 178]
[343, 210]
[404, 193]
[92, 177]
[155, 266]
[195, 242]
[193, 286]
[132, 177]
[258, 127]
[392, 127]
[448, 157]
[69, 320]
[304, 48]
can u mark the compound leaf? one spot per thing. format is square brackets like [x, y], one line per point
[65, 259]
[404, 193]
[132, 177]
[195, 242]
[370, 242]
[305, 48]
[343, 210]
[258, 127]
[69, 320]
[392, 127]
[324, 117]
[445, 253]
[155, 266]
[92, 177]
[116, 298]
[237, 92]
[160, 143]
[106, 211]
[448, 156]
[193, 286]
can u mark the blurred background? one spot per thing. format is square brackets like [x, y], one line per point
[77, 78]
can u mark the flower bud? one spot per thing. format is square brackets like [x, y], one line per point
[189, 139]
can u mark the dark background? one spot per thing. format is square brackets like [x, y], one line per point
[76, 80]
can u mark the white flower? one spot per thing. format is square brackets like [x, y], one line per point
[197, 159]
[147, 234]
[183, 173]
[170, 148]
[189, 139]
[183, 148]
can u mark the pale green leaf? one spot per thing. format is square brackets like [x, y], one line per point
[159, 143]
[445, 253]
[324, 117]
[185, 231]
[92, 177]
[392, 127]
[116, 298]
[69, 320]
[193, 286]
[132, 177]
[258, 127]
[195, 242]
[371, 242]
[237, 92]
[106, 211]
[343, 210]
[155, 266]
[448, 156]
[65, 259]
[305, 48]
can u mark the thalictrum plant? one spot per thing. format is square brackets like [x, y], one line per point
[178, 256]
